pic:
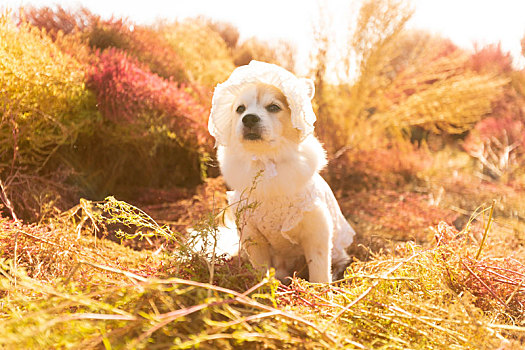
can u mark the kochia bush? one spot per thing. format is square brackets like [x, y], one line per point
[127, 92]
[153, 134]
[203, 51]
[144, 43]
[44, 102]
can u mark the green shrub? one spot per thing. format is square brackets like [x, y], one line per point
[44, 103]
[44, 106]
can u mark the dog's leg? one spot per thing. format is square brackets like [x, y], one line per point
[257, 248]
[316, 240]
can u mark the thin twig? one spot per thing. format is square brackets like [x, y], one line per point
[15, 274]
[502, 278]
[396, 308]
[484, 284]
[401, 278]
[255, 287]
[486, 229]
[515, 292]
[95, 316]
[71, 273]
[173, 315]
[238, 297]
[38, 238]
[7, 202]
[244, 335]
[502, 269]
[115, 270]
[214, 249]
[247, 319]
[507, 327]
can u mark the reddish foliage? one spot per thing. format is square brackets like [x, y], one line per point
[495, 282]
[501, 128]
[498, 142]
[404, 215]
[382, 167]
[145, 44]
[407, 69]
[49, 252]
[128, 92]
[297, 294]
[446, 47]
[30, 253]
[210, 197]
[511, 104]
[149, 47]
[230, 272]
[492, 59]
[58, 19]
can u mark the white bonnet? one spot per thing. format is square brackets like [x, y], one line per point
[298, 93]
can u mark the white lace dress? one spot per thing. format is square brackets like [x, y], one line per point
[275, 218]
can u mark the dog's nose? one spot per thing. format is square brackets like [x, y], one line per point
[250, 120]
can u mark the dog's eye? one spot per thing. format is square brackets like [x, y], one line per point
[240, 109]
[273, 108]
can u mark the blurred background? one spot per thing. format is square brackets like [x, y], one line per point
[467, 23]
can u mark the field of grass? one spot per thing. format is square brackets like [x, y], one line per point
[108, 174]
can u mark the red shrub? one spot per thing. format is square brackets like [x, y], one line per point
[149, 47]
[145, 44]
[501, 128]
[58, 19]
[381, 167]
[494, 281]
[491, 59]
[127, 92]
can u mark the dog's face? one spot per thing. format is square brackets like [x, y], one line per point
[262, 118]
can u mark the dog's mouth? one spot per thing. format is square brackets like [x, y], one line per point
[252, 133]
[252, 136]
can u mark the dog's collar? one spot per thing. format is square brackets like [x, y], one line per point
[267, 166]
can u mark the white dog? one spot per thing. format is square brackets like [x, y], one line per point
[286, 214]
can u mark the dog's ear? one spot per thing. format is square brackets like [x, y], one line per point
[309, 87]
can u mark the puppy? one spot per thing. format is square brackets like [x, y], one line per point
[286, 214]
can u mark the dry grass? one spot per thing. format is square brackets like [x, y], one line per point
[62, 287]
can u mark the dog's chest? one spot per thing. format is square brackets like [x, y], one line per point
[276, 216]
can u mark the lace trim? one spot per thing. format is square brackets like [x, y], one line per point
[278, 216]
